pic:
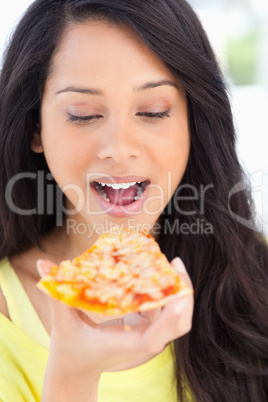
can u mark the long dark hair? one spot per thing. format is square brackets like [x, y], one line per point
[225, 356]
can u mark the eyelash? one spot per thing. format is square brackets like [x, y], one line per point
[150, 115]
[81, 119]
[146, 115]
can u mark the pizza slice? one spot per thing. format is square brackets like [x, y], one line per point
[123, 272]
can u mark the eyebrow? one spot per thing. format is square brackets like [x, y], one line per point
[92, 91]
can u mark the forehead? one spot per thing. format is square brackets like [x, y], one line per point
[96, 46]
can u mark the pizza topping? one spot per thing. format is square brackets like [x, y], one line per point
[121, 273]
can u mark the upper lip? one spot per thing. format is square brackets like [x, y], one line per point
[119, 179]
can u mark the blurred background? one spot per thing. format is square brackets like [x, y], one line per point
[238, 31]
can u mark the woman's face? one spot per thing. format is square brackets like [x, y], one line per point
[114, 127]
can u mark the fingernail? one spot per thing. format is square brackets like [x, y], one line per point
[39, 269]
[43, 271]
[180, 306]
[179, 265]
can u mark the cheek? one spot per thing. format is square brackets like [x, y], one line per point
[66, 155]
[173, 155]
[170, 160]
[61, 161]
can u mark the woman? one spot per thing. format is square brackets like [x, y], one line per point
[119, 92]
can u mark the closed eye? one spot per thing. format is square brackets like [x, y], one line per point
[145, 115]
[82, 119]
[154, 116]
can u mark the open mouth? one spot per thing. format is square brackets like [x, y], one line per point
[121, 193]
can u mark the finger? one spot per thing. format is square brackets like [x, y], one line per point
[175, 321]
[59, 311]
[62, 316]
[44, 266]
[178, 264]
[141, 319]
[170, 319]
[151, 315]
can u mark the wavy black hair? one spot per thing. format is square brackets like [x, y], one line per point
[225, 356]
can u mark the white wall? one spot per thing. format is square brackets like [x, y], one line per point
[10, 12]
[250, 103]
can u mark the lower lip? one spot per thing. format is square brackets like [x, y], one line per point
[120, 211]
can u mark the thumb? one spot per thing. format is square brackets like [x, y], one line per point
[44, 266]
[179, 266]
[59, 311]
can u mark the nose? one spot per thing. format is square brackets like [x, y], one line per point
[119, 142]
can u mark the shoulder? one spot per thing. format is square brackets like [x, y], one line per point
[6, 283]
[3, 305]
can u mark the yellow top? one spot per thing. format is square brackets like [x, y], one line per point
[24, 352]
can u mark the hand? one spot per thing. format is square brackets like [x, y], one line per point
[80, 346]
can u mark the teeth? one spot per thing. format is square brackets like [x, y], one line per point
[118, 186]
[103, 194]
[139, 194]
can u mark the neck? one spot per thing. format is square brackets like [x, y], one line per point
[69, 240]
